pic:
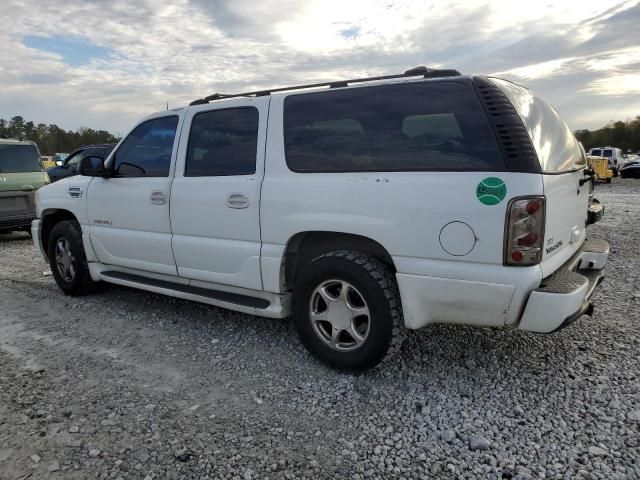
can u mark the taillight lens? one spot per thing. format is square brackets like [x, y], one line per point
[524, 231]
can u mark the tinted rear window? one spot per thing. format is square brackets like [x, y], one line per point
[596, 153]
[422, 126]
[19, 158]
[223, 142]
[607, 153]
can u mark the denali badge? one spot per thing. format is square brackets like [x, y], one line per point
[554, 247]
[103, 222]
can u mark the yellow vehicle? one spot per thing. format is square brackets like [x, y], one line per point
[48, 161]
[600, 166]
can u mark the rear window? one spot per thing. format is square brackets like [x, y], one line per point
[557, 148]
[425, 126]
[607, 153]
[19, 158]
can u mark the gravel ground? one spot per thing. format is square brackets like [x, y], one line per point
[127, 384]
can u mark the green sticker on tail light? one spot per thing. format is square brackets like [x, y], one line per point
[491, 191]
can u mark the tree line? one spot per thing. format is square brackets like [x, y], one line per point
[52, 139]
[624, 135]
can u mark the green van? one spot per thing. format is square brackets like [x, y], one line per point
[21, 174]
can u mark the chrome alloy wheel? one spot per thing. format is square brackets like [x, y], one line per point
[339, 315]
[65, 260]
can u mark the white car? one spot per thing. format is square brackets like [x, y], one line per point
[361, 208]
[614, 156]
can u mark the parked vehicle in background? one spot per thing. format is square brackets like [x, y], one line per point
[600, 167]
[612, 154]
[21, 174]
[48, 161]
[631, 170]
[362, 208]
[69, 166]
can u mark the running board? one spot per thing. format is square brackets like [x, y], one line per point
[220, 296]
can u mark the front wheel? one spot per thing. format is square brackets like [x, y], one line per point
[347, 310]
[67, 259]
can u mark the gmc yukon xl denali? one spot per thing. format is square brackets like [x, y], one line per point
[361, 208]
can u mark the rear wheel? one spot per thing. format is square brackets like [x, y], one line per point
[347, 310]
[67, 259]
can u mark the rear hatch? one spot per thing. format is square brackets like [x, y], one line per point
[562, 164]
[20, 176]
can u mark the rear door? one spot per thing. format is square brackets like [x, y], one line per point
[215, 197]
[562, 163]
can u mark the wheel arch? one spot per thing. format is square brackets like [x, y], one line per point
[303, 247]
[51, 217]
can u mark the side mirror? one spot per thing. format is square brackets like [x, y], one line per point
[59, 163]
[92, 167]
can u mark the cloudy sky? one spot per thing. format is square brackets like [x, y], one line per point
[105, 63]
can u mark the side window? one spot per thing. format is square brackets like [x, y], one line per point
[607, 153]
[596, 153]
[74, 160]
[222, 143]
[146, 152]
[421, 126]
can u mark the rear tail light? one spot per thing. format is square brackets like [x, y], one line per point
[524, 231]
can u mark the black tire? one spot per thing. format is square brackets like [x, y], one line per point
[615, 172]
[27, 229]
[375, 284]
[80, 283]
[608, 180]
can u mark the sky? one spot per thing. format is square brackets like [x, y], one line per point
[105, 64]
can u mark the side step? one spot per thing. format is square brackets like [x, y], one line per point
[227, 297]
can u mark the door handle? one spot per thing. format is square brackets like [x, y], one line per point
[75, 192]
[237, 200]
[158, 197]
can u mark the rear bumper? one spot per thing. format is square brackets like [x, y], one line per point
[565, 295]
[17, 209]
[15, 222]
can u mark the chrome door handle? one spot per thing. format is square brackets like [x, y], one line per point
[158, 197]
[237, 200]
[75, 192]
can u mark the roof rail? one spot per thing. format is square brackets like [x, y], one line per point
[414, 72]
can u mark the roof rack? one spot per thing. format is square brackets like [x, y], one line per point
[414, 72]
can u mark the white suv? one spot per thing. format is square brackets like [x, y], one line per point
[360, 208]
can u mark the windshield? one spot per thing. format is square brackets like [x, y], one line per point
[19, 158]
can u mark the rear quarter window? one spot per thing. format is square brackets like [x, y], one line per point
[557, 148]
[418, 126]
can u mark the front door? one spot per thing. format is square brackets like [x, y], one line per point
[129, 212]
[215, 196]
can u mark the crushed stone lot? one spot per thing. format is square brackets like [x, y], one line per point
[131, 385]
